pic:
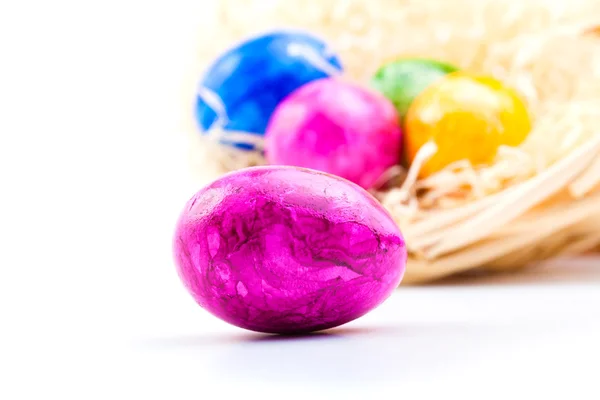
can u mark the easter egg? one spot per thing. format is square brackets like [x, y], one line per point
[337, 127]
[287, 250]
[403, 79]
[240, 90]
[468, 118]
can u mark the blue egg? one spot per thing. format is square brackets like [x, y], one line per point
[241, 89]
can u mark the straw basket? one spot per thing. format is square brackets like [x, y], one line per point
[537, 201]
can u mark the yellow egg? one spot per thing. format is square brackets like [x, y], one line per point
[468, 118]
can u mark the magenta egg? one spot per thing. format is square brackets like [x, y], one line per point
[337, 127]
[287, 250]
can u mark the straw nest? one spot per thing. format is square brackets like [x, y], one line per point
[537, 201]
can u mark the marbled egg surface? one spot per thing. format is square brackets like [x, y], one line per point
[287, 250]
[338, 127]
[243, 86]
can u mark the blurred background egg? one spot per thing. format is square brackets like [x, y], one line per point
[240, 90]
[338, 127]
[468, 117]
[403, 79]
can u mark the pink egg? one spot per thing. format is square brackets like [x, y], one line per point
[337, 127]
[287, 250]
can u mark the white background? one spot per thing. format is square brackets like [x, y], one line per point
[93, 172]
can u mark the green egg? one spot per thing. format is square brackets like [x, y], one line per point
[404, 79]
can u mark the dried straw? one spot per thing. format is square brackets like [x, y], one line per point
[536, 201]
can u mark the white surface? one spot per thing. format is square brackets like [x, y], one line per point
[93, 176]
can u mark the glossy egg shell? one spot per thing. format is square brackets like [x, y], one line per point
[252, 78]
[287, 250]
[338, 127]
[468, 117]
[404, 79]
